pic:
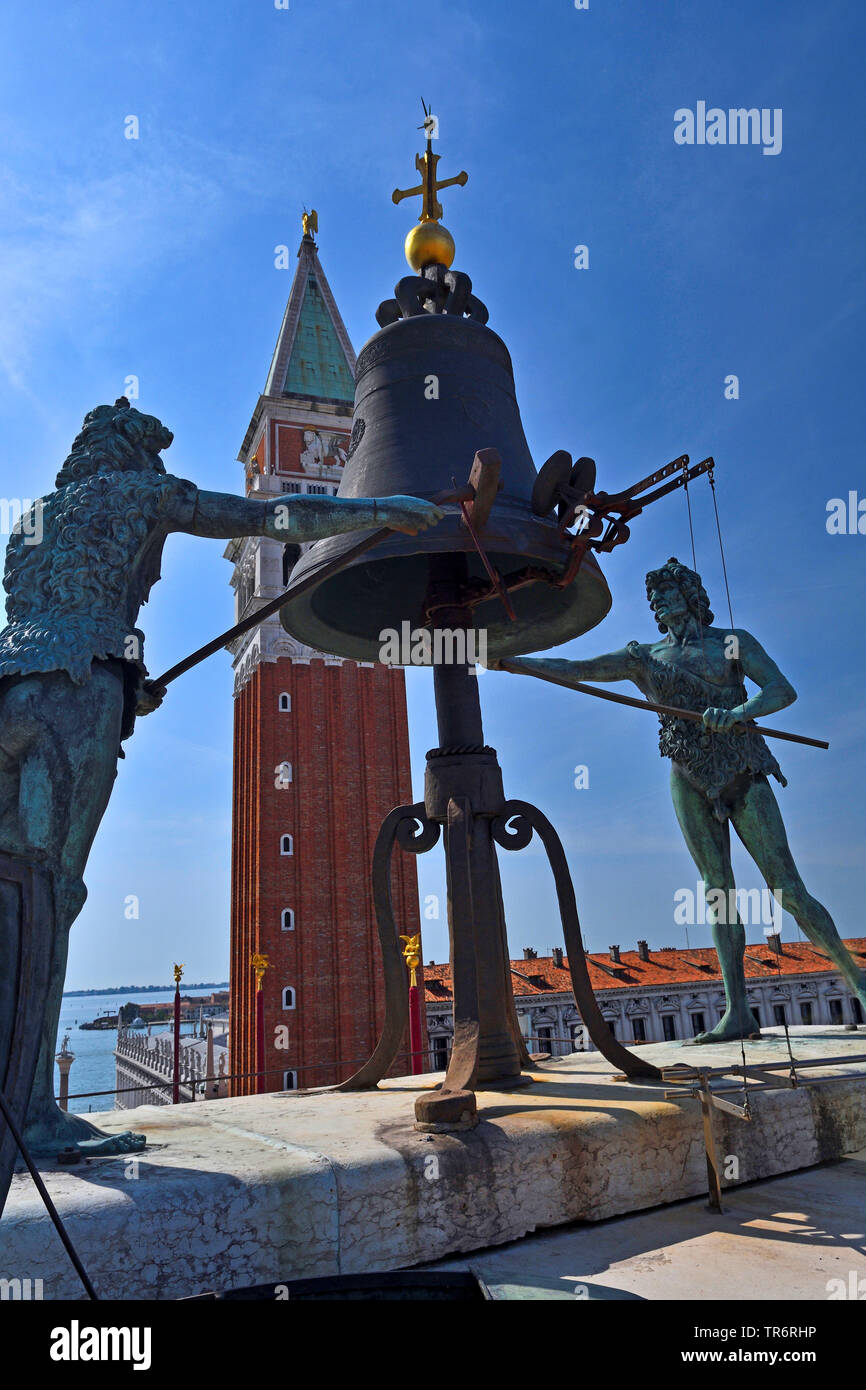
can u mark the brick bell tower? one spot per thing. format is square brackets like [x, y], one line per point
[321, 747]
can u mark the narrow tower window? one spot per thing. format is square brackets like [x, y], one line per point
[288, 997]
[287, 921]
[287, 844]
[290, 1080]
[285, 703]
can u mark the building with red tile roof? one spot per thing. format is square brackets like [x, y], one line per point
[658, 995]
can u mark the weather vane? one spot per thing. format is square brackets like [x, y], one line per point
[430, 124]
[431, 208]
[431, 242]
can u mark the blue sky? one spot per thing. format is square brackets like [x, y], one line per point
[155, 257]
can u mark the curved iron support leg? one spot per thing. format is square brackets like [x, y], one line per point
[399, 825]
[453, 1105]
[463, 1064]
[513, 830]
[513, 1022]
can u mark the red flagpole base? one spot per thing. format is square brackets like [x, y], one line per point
[260, 1042]
[415, 1029]
[175, 1088]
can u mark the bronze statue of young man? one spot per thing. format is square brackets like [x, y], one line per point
[72, 674]
[719, 770]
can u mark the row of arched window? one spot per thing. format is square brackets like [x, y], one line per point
[287, 916]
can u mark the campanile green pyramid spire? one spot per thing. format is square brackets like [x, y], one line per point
[313, 358]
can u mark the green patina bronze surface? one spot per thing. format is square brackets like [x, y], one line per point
[79, 566]
[719, 773]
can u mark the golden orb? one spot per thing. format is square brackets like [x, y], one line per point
[429, 243]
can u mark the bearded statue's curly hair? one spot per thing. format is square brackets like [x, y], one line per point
[115, 438]
[690, 586]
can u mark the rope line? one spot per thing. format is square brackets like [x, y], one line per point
[712, 731]
[712, 483]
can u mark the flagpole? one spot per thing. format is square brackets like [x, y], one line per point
[412, 957]
[260, 964]
[175, 1086]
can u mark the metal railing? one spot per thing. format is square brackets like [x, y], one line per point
[167, 1084]
[426, 1054]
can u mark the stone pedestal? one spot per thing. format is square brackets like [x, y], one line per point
[265, 1188]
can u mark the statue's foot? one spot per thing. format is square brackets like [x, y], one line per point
[126, 1142]
[55, 1129]
[731, 1027]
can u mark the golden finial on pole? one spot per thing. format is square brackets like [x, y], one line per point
[178, 974]
[260, 964]
[430, 243]
[412, 955]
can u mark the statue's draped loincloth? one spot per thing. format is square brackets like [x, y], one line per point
[716, 763]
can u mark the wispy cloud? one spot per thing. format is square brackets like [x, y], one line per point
[73, 245]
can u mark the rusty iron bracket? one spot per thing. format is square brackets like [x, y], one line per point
[628, 505]
[696, 1084]
[604, 516]
[484, 483]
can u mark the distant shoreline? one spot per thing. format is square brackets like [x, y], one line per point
[144, 989]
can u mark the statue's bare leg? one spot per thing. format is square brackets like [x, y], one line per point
[57, 768]
[758, 822]
[709, 843]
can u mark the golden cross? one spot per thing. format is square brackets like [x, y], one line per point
[431, 208]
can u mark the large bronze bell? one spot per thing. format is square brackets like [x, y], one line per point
[436, 412]
[431, 390]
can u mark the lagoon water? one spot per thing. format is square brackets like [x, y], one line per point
[93, 1068]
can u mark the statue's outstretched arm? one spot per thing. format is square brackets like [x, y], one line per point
[776, 691]
[289, 518]
[613, 666]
